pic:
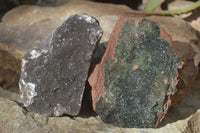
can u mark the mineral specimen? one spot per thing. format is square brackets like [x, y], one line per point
[132, 85]
[54, 74]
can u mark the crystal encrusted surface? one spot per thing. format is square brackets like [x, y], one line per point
[139, 74]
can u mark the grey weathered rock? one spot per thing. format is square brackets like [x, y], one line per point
[54, 74]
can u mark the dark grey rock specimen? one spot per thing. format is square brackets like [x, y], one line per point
[54, 74]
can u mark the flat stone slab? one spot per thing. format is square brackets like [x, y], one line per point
[54, 74]
[132, 85]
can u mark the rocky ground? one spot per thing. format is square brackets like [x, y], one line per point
[26, 26]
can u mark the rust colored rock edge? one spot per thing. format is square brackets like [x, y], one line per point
[54, 74]
[139, 72]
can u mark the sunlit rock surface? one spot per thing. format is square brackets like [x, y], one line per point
[15, 119]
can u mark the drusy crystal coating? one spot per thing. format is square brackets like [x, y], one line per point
[139, 75]
[54, 74]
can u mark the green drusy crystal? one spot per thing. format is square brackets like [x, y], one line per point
[136, 81]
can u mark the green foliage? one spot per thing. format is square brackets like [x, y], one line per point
[152, 4]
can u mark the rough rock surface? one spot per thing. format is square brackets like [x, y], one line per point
[193, 123]
[10, 95]
[54, 74]
[132, 85]
[15, 119]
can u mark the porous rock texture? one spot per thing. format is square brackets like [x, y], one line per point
[54, 74]
[138, 74]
